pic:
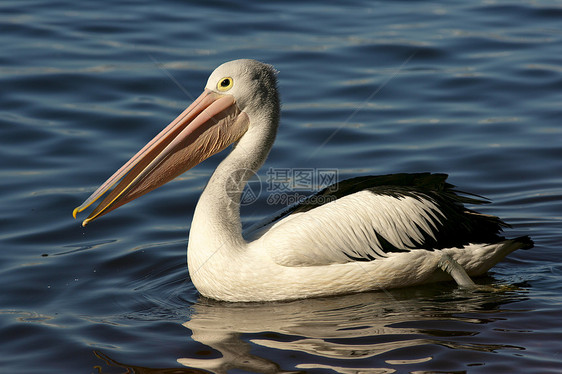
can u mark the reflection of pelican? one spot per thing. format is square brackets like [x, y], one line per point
[371, 329]
[367, 233]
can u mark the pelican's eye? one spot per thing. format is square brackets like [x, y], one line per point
[225, 84]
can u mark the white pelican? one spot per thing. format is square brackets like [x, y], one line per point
[375, 232]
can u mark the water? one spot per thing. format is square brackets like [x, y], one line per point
[472, 89]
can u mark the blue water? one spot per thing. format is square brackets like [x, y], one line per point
[472, 89]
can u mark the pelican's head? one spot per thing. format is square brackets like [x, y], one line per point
[239, 94]
[253, 84]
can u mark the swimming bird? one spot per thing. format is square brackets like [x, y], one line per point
[361, 234]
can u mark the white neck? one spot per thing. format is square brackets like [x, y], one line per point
[216, 222]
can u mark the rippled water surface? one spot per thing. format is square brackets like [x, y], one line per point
[472, 89]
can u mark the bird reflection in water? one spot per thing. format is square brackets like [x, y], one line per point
[370, 332]
[415, 329]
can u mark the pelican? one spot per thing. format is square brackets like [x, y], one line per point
[369, 233]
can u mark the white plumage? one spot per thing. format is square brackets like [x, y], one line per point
[372, 233]
[349, 226]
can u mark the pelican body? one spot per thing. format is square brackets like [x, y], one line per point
[369, 233]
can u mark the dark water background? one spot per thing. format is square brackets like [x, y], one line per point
[473, 89]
